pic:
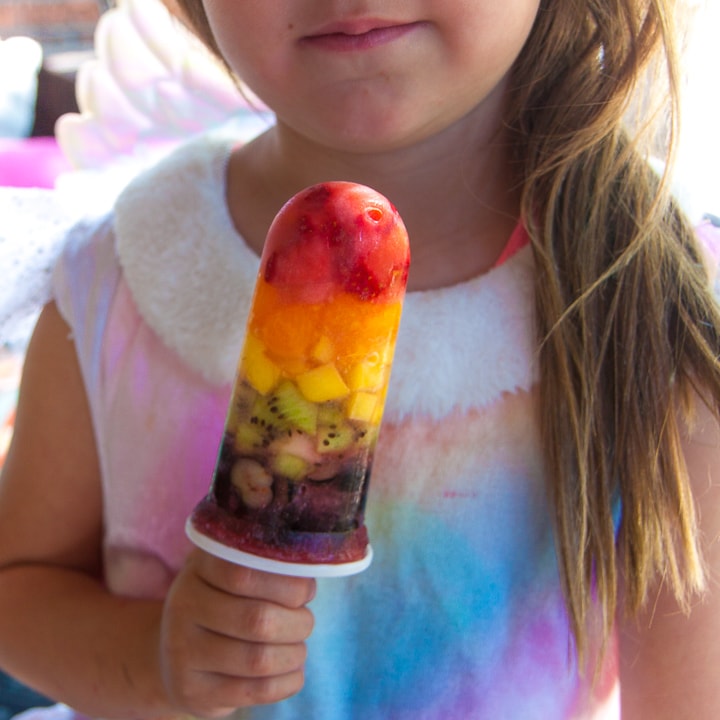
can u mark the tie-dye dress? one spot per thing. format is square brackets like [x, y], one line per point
[460, 614]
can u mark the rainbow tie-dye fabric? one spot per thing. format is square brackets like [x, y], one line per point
[460, 615]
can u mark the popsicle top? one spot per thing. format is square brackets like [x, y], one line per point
[337, 237]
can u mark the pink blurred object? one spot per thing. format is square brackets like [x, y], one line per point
[31, 162]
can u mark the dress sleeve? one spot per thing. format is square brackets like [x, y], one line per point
[84, 283]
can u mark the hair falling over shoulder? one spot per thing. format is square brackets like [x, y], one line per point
[629, 332]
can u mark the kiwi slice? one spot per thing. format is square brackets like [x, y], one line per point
[284, 410]
[334, 433]
[249, 437]
[244, 399]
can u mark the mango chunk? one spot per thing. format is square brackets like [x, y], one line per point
[322, 384]
[324, 350]
[261, 372]
[361, 406]
[368, 374]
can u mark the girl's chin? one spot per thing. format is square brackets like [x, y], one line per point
[371, 138]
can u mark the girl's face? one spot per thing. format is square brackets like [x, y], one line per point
[373, 75]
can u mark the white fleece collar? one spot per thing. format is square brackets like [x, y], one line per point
[190, 273]
[467, 344]
[192, 278]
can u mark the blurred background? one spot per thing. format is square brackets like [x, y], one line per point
[63, 31]
[59, 25]
[42, 45]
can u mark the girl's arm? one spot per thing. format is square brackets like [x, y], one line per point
[224, 637]
[669, 661]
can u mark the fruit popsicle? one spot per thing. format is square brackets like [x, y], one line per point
[291, 480]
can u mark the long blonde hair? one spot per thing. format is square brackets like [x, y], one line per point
[627, 327]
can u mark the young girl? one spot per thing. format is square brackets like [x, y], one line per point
[544, 505]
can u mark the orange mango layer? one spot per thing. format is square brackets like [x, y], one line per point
[298, 337]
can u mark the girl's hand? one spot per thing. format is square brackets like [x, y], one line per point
[233, 637]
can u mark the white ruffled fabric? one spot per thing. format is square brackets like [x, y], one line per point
[33, 226]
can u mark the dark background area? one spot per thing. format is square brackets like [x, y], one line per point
[64, 29]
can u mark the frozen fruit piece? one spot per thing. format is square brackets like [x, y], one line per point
[361, 406]
[290, 331]
[323, 351]
[282, 413]
[359, 328]
[261, 372]
[367, 435]
[244, 397]
[253, 482]
[249, 437]
[289, 466]
[335, 439]
[290, 409]
[368, 374]
[322, 384]
[338, 234]
[377, 262]
[298, 444]
[304, 268]
[334, 433]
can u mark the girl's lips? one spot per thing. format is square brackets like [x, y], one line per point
[349, 37]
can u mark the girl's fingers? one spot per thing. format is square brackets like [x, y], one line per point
[244, 614]
[291, 592]
[218, 695]
[254, 621]
[225, 656]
